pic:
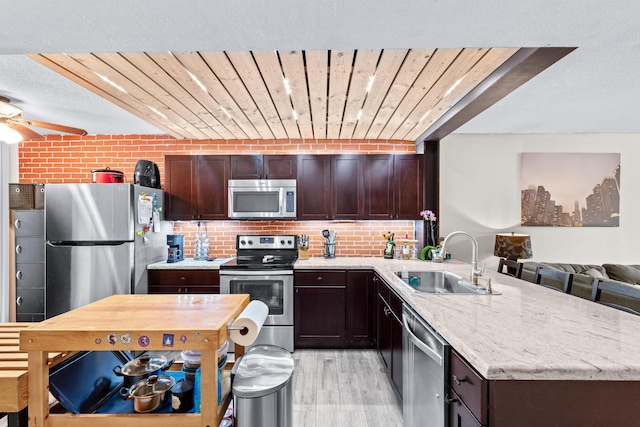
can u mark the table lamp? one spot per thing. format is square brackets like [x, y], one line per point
[513, 246]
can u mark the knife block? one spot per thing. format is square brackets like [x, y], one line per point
[303, 252]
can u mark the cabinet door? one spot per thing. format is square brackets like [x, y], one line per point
[409, 185]
[347, 187]
[360, 309]
[459, 415]
[314, 187]
[396, 354]
[213, 174]
[181, 195]
[319, 316]
[378, 184]
[246, 167]
[280, 167]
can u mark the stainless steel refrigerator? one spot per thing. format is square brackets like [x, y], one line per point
[92, 249]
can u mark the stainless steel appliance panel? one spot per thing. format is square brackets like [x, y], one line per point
[29, 249]
[274, 288]
[28, 223]
[425, 360]
[78, 275]
[89, 212]
[281, 336]
[261, 198]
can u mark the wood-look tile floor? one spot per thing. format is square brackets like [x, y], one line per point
[342, 388]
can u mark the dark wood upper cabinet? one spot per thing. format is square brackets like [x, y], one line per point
[246, 167]
[408, 186]
[280, 167]
[314, 187]
[347, 187]
[378, 187]
[196, 187]
[263, 167]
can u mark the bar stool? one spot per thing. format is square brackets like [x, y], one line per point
[563, 277]
[630, 291]
[514, 268]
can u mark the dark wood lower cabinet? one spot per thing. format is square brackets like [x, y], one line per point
[184, 282]
[459, 414]
[361, 319]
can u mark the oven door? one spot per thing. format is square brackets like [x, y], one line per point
[274, 288]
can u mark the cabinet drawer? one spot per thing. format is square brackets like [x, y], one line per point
[30, 275]
[469, 386]
[29, 249]
[184, 277]
[459, 414]
[30, 300]
[186, 289]
[320, 277]
[29, 223]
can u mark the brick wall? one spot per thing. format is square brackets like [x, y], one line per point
[71, 158]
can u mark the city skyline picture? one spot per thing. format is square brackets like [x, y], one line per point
[570, 189]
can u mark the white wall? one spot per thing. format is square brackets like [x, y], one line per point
[480, 194]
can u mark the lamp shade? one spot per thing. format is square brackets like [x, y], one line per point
[513, 246]
[8, 135]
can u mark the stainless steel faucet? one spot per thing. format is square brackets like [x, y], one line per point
[475, 273]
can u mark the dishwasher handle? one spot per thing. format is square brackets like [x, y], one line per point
[421, 345]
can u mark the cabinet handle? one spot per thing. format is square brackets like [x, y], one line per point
[19, 275]
[19, 301]
[386, 311]
[18, 223]
[319, 278]
[375, 279]
[18, 249]
[186, 290]
[449, 400]
[183, 278]
[459, 380]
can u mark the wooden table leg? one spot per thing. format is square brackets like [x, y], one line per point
[209, 387]
[38, 388]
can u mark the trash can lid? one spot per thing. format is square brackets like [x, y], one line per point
[264, 369]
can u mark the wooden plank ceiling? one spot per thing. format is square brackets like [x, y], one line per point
[346, 94]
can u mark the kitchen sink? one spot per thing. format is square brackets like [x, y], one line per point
[439, 282]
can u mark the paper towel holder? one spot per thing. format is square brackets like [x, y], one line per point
[243, 330]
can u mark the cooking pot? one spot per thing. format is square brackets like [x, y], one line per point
[141, 368]
[150, 393]
[107, 176]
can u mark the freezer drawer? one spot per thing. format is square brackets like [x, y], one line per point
[78, 275]
[30, 275]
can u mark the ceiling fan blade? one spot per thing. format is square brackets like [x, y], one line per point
[27, 134]
[59, 128]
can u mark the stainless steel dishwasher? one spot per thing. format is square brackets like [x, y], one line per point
[425, 359]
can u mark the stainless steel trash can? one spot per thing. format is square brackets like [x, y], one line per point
[262, 388]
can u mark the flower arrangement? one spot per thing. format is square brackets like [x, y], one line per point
[430, 217]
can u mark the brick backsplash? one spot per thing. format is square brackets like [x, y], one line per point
[69, 159]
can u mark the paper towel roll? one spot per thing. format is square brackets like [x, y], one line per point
[252, 318]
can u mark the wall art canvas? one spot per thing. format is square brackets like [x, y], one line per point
[570, 189]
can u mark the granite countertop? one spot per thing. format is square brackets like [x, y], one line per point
[189, 264]
[526, 332]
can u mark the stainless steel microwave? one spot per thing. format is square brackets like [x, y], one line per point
[262, 198]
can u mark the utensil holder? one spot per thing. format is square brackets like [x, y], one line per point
[329, 250]
[303, 252]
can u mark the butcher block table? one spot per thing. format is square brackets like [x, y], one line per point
[135, 322]
[13, 373]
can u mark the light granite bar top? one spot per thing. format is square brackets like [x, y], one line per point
[189, 264]
[526, 332]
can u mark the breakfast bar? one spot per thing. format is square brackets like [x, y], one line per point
[134, 322]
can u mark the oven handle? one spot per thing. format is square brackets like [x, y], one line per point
[256, 272]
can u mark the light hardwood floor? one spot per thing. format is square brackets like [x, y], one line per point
[342, 388]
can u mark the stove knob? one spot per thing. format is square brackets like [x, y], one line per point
[282, 242]
[251, 242]
[289, 242]
[242, 242]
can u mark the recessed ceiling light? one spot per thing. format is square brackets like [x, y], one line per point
[105, 79]
[287, 88]
[295, 115]
[359, 115]
[198, 82]
[454, 85]
[424, 116]
[370, 84]
[156, 111]
[225, 111]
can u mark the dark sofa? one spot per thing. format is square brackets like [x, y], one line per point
[583, 275]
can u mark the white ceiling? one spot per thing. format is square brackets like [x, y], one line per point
[593, 90]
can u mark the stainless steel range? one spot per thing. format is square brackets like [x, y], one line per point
[263, 268]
